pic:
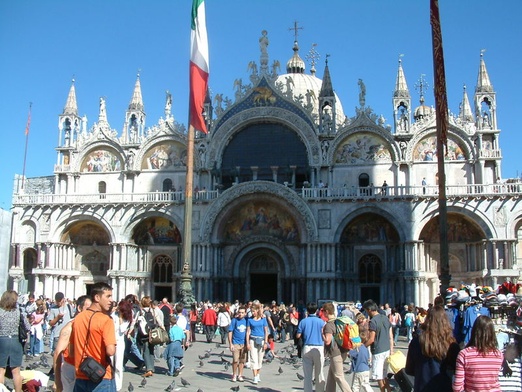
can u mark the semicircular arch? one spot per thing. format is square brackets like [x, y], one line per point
[64, 225]
[238, 262]
[100, 157]
[259, 115]
[213, 222]
[394, 223]
[363, 144]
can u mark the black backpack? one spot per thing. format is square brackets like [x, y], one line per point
[150, 323]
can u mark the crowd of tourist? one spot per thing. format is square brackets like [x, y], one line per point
[444, 353]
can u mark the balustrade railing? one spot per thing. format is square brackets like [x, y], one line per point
[471, 190]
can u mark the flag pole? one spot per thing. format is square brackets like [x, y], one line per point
[441, 109]
[185, 291]
[26, 142]
[198, 75]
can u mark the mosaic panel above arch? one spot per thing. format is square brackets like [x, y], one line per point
[426, 150]
[100, 161]
[363, 147]
[460, 229]
[156, 231]
[85, 233]
[260, 218]
[165, 155]
[369, 228]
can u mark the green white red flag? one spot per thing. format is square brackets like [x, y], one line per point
[199, 68]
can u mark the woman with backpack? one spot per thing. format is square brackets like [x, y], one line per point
[148, 319]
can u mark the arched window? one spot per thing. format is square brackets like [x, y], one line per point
[364, 180]
[370, 269]
[162, 269]
[102, 189]
[167, 185]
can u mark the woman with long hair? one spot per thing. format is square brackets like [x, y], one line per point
[478, 365]
[122, 320]
[395, 320]
[11, 350]
[433, 353]
[256, 339]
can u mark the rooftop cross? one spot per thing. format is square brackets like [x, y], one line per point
[295, 28]
[313, 56]
[421, 86]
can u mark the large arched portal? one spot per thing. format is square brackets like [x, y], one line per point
[263, 272]
[371, 258]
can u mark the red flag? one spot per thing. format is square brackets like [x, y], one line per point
[441, 99]
[28, 121]
[199, 67]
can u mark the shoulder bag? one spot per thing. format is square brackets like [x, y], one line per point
[158, 336]
[89, 366]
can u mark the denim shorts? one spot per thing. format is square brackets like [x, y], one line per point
[11, 352]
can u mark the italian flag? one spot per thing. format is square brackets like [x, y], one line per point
[198, 66]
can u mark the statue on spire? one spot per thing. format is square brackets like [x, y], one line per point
[102, 117]
[168, 104]
[362, 93]
[263, 46]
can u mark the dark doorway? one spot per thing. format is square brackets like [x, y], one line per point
[161, 292]
[371, 292]
[263, 287]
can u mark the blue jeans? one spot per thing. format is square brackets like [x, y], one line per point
[174, 364]
[132, 353]
[34, 345]
[89, 386]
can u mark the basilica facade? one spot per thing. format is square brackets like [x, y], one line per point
[295, 198]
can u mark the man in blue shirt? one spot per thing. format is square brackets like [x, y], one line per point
[237, 342]
[310, 330]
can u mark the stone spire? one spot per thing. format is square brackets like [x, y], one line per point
[327, 109]
[483, 83]
[69, 122]
[326, 86]
[401, 102]
[136, 102]
[401, 87]
[134, 126]
[71, 107]
[485, 99]
[465, 113]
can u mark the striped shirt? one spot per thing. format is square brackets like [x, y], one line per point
[477, 372]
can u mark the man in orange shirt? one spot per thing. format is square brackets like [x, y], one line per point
[93, 335]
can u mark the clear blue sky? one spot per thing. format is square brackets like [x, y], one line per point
[103, 43]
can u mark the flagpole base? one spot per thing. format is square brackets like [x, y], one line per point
[185, 292]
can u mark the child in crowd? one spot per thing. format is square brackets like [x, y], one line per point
[361, 366]
[175, 349]
[270, 347]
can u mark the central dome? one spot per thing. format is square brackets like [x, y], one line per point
[306, 87]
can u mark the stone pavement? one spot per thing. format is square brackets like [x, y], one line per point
[212, 376]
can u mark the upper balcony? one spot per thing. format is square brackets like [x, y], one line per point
[315, 194]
